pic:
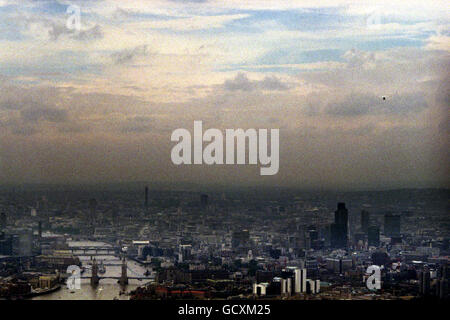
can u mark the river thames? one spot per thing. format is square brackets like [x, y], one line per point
[108, 289]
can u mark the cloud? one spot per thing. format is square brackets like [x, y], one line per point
[242, 83]
[188, 23]
[359, 59]
[137, 124]
[367, 103]
[57, 29]
[93, 33]
[44, 113]
[129, 55]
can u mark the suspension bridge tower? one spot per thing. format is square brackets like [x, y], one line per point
[123, 281]
[94, 277]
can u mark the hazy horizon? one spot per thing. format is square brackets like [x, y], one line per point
[359, 91]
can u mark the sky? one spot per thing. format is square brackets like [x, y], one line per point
[97, 101]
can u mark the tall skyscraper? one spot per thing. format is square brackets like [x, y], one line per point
[391, 225]
[146, 197]
[373, 237]
[426, 283]
[339, 229]
[2, 220]
[365, 221]
[300, 280]
[92, 216]
[204, 200]
[40, 229]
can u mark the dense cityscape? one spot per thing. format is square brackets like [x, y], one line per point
[140, 243]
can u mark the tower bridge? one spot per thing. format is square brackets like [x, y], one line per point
[122, 279]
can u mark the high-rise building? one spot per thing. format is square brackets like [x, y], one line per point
[300, 280]
[40, 229]
[313, 286]
[426, 283]
[3, 220]
[391, 225]
[146, 197]
[373, 236]
[6, 244]
[204, 200]
[365, 221]
[339, 229]
[92, 209]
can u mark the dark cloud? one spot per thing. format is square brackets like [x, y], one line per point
[93, 33]
[366, 103]
[44, 113]
[129, 55]
[242, 83]
[137, 124]
[273, 83]
[59, 29]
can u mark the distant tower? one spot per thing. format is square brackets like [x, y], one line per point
[339, 229]
[2, 220]
[426, 283]
[94, 277]
[124, 276]
[373, 237]
[92, 209]
[204, 200]
[146, 197]
[391, 225]
[40, 229]
[365, 221]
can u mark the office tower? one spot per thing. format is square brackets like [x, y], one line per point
[317, 285]
[283, 286]
[339, 229]
[373, 237]
[443, 288]
[299, 280]
[365, 221]
[2, 220]
[289, 286]
[420, 277]
[6, 245]
[185, 252]
[25, 243]
[204, 200]
[426, 283]
[391, 225]
[313, 286]
[146, 197]
[92, 209]
[40, 229]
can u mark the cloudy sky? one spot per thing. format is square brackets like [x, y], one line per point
[99, 103]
